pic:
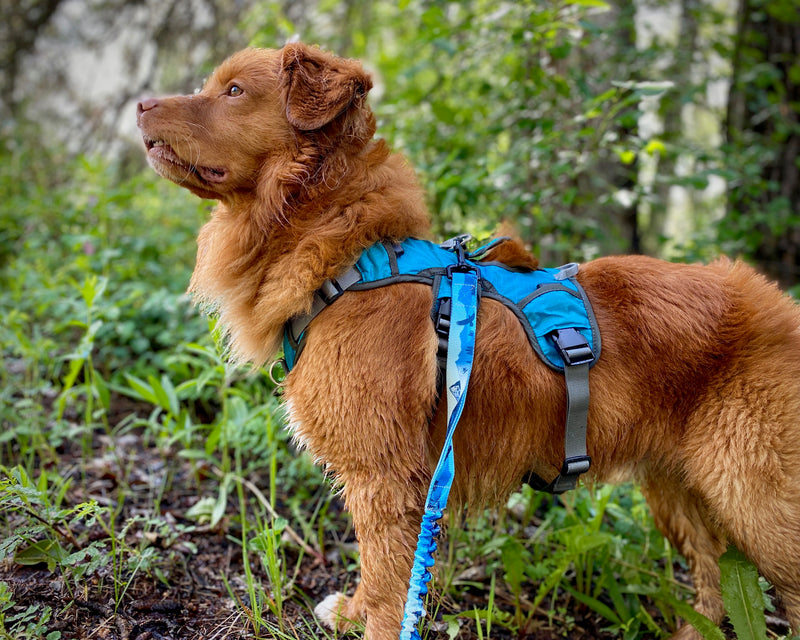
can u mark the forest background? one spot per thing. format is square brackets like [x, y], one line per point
[130, 452]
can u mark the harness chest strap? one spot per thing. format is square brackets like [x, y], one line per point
[327, 294]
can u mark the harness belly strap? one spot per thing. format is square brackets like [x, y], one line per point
[577, 360]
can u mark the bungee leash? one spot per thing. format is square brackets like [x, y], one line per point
[463, 280]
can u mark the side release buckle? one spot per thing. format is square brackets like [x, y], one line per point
[442, 324]
[567, 479]
[573, 348]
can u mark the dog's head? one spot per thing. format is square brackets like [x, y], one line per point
[264, 124]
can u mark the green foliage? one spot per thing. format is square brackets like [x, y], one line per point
[762, 138]
[522, 131]
[532, 113]
[92, 285]
[599, 549]
[49, 537]
[744, 600]
[503, 111]
[29, 624]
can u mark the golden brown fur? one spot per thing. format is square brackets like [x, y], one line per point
[696, 395]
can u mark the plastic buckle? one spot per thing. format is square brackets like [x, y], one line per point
[330, 291]
[567, 271]
[573, 348]
[568, 478]
[442, 324]
[576, 466]
[460, 267]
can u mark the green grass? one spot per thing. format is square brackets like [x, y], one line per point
[99, 343]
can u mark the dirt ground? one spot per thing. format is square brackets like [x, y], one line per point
[198, 591]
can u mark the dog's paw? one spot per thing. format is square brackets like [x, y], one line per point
[332, 612]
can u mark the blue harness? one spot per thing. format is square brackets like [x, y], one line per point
[558, 321]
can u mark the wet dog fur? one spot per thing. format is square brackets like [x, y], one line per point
[696, 394]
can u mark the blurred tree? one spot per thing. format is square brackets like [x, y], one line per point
[85, 63]
[763, 136]
[622, 24]
[676, 63]
[22, 23]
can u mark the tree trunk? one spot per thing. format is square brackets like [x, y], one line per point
[764, 126]
[19, 28]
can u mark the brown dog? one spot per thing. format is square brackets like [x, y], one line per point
[696, 394]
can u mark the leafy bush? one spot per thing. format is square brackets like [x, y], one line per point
[136, 236]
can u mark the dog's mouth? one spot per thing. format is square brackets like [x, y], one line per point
[161, 154]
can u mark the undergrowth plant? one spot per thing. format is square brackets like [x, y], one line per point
[608, 559]
[595, 549]
[27, 624]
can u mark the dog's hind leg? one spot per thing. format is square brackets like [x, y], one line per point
[752, 482]
[684, 520]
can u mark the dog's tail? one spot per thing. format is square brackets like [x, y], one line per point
[512, 252]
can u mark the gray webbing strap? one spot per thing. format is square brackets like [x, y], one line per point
[576, 461]
[578, 357]
[325, 295]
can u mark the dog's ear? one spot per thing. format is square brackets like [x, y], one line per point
[318, 86]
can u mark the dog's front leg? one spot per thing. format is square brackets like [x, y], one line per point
[361, 399]
[386, 511]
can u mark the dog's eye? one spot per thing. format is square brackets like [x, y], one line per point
[235, 90]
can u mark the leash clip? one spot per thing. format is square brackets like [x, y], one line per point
[458, 245]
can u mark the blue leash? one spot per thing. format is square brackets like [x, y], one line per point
[464, 282]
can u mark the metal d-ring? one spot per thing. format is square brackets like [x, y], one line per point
[279, 384]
